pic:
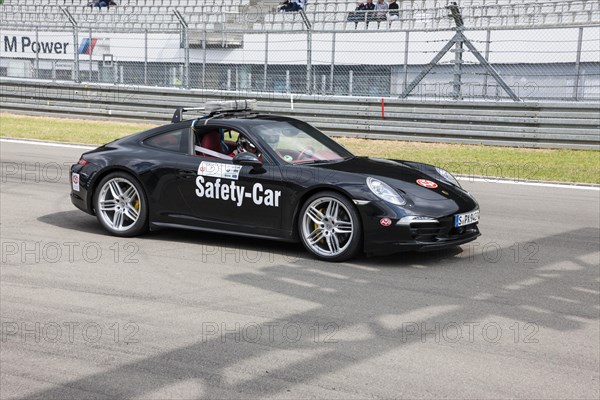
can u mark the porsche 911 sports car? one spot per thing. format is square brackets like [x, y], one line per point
[235, 171]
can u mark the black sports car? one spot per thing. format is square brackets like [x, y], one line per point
[273, 177]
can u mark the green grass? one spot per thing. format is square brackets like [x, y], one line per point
[581, 166]
[532, 164]
[65, 130]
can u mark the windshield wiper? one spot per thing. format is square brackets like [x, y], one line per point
[319, 161]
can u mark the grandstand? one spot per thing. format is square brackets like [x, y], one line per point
[331, 15]
[545, 49]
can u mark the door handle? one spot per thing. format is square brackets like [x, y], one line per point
[187, 174]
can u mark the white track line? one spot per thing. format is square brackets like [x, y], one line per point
[460, 178]
[49, 144]
[527, 183]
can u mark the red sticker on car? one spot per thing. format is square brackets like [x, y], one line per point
[426, 183]
[385, 221]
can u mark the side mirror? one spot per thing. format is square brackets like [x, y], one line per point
[247, 158]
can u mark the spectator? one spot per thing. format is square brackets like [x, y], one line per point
[291, 5]
[102, 3]
[361, 11]
[394, 10]
[381, 9]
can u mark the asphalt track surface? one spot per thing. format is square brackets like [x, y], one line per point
[178, 314]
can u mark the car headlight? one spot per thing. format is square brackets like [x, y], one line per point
[447, 176]
[385, 192]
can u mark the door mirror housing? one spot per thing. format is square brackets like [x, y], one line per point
[247, 158]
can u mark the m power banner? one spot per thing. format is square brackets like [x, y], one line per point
[56, 45]
[60, 46]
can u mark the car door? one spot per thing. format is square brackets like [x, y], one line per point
[225, 196]
[167, 151]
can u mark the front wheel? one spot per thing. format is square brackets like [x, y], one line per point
[329, 227]
[121, 205]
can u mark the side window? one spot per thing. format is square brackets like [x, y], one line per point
[173, 141]
[221, 140]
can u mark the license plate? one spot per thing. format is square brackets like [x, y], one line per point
[466, 219]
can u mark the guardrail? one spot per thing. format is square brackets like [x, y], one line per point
[523, 124]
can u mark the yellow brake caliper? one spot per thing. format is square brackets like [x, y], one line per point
[322, 241]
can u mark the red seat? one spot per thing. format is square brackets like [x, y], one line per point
[211, 141]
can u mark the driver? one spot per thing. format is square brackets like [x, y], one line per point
[243, 145]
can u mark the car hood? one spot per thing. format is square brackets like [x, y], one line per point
[402, 175]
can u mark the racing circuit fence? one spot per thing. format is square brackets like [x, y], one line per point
[541, 52]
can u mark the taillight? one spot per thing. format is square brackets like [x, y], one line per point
[83, 161]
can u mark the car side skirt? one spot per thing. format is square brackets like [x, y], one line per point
[160, 225]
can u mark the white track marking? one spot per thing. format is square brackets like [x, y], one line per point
[459, 177]
[506, 181]
[49, 144]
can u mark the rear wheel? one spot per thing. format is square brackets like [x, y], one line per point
[121, 205]
[329, 227]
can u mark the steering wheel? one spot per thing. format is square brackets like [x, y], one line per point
[306, 153]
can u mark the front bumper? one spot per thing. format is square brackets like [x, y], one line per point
[431, 243]
[407, 234]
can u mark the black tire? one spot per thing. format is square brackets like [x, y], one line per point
[107, 217]
[323, 236]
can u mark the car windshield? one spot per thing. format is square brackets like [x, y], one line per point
[296, 142]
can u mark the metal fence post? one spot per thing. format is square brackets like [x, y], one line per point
[578, 65]
[487, 58]
[90, 59]
[186, 48]
[331, 73]
[308, 58]
[76, 53]
[204, 60]
[458, 61]
[73, 23]
[406, 44]
[308, 26]
[186, 71]
[350, 82]
[266, 61]
[37, 55]
[146, 57]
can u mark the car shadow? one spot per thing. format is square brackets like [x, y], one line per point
[81, 222]
[73, 220]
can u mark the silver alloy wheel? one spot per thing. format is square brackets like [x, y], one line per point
[119, 204]
[327, 226]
